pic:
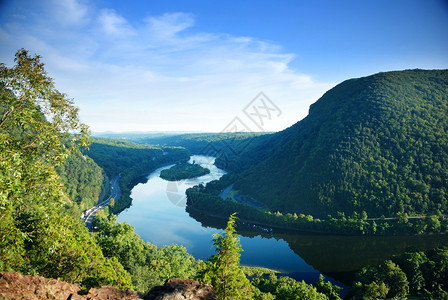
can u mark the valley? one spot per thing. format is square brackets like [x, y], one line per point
[233, 150]
[355, 191]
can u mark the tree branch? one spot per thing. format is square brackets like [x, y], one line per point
[5, 116]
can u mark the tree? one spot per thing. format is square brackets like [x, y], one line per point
[395, 279]
[147, 265]
[36, 118]
[285, 287]
[175, 262]
[222, 269]
[411, 263]
[35, 121]
[433, 223]
[325, 287]
[39, 128]
[112, 203]
[373, 290]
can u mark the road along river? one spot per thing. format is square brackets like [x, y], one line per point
[115, 192]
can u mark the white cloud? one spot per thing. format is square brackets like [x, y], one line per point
[158, 73]
[69, 12]
[169, 24]
[113, 24]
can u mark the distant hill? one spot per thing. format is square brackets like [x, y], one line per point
[205, 143]
[136, 135]
[377, 144]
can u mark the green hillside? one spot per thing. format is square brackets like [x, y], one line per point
[377, 144]
[83, 180]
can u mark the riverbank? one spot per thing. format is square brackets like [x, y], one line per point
[261, 227]
[209, 200]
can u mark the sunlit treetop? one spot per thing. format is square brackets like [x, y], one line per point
[36, 118]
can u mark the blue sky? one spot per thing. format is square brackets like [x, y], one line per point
[198, 65]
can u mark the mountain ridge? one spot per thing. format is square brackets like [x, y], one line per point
[367, 144]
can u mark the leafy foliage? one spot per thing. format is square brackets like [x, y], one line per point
[147, 265]
[36, 118]
[83, 180]
[333, 292]
[274, 287]
[375, 144]
[116, 156]
[207, 199]
[412, 272]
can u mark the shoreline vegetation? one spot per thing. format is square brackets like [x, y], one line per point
[183, 170]
[207, 200]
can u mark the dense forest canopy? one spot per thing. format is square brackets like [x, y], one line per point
[377, 144]
[117, 156]
[83, 180]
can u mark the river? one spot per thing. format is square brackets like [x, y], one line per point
[158, 215]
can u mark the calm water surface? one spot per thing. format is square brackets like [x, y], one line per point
[158, 215]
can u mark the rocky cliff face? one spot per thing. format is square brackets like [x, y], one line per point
[176, 288]
[18, 286]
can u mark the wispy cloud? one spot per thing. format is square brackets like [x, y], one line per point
[68, 12]
[157, 73]
[168, 25]
[114, 25]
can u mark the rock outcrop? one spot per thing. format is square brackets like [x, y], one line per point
[18, 286]
[178, 289]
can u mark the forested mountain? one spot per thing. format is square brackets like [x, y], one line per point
[377, 144]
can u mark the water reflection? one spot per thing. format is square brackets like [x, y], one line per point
[338, 256]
